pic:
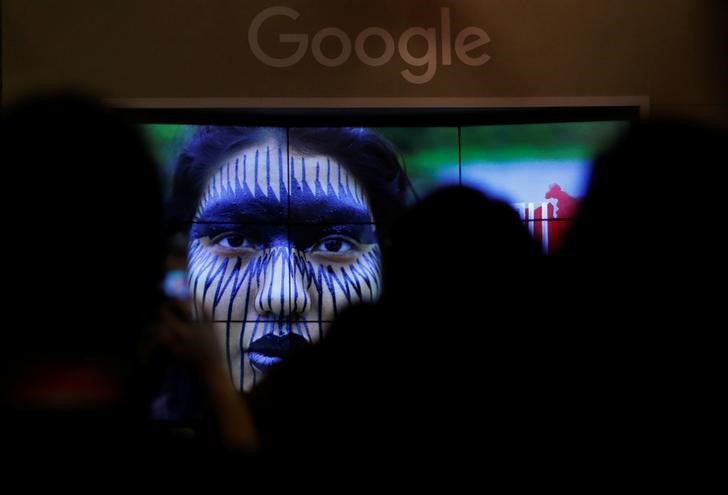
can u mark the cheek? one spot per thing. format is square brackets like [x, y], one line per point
[345, 284]
[220, 286]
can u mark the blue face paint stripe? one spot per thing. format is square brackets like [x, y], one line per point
[228, 345]
[338, 178]
[256, 187]
[225, 282]
[319, 189]
[284, 281]
[259, 273]
[269, 296]
[245, 172]
[369, 267]
[253, 336]
[268, 188]
[371, 276]
[344, 288]
[348, 276]
[192, 284]
[237, 186]
[329, 284]
[346, 181]
[259, 270]
[210, 276]
[302, 327]
[362, 276]
[371, 262]
[281, 181]
[292, 281]
[231, 300]
[329, 186]
[217, 273]
[208, 262]
[254, 333]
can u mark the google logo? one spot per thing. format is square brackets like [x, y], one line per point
[467, 40]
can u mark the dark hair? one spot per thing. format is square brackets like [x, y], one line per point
[365, 154]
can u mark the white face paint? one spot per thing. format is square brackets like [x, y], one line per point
[279, 245]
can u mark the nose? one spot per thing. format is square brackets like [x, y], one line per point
[282, 286]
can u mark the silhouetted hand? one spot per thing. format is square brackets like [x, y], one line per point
[193, 343]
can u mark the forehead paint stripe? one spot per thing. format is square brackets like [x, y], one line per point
[238, 186]
[338, 180]
[302, 187]
[272, 191]
[281, 178]
[345, 181]
[258, 176]
[232, 181]
[329, 187]
[345, 188]
[319, 191]
[245, 173]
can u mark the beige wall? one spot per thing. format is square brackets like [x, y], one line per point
[673, 51]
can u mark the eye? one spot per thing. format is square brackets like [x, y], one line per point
[336, 245]
[232, 242]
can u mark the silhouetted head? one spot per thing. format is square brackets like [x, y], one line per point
[455, 247]
[650, 225]
[655, 193]
[87, 250]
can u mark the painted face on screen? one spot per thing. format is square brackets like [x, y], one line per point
[279, 245]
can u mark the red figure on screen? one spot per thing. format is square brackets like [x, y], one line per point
[566, 208]
[566, 205]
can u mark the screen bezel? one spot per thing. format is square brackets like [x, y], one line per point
[380, 112]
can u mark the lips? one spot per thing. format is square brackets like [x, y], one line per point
[271, 349]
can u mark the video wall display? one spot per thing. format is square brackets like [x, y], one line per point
[279, 225]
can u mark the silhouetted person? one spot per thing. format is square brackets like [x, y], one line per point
[86, 259]
[641, 267]
[649, 227]
[437, 367]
